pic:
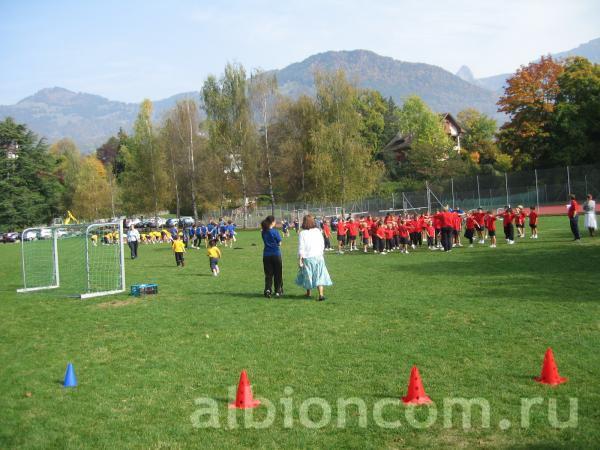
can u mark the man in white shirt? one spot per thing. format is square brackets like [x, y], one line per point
[133, 238]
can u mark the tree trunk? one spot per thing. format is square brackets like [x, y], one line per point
[268, 157]
[177, 202]
[193, 167]
[245, 197]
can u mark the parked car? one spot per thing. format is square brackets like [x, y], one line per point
[154, 223]
[10, 237]
[172, 222]
[30, 235]
[186, 221]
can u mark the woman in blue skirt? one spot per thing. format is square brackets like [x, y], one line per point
[312, 273]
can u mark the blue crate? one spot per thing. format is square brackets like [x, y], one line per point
[144, 289]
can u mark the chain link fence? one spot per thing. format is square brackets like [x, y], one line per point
[545, 188]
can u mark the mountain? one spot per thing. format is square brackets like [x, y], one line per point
[589, 50]
[440, 89]
[464, 73]
[88, 119]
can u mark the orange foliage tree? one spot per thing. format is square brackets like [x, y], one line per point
[529, 101]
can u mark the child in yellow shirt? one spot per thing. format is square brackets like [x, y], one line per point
[179, 249]
[213, 254]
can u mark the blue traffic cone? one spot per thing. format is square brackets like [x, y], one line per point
[70, 379]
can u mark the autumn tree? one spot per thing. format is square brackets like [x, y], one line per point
[529, 101]
[92, 196]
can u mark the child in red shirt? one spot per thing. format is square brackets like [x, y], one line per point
[341, 235]
[352, 233]
[327, 235]
[364, 229]
[470, 225]
[430, 230]
[480, 225]
[490, 224]
[380, 233]
[533, 222]
[520, 221]
[507, 221]
[404, 232]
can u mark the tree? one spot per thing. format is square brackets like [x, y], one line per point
[30, 189]
[110, 152]
[143, 180]
[180, 137]
[263, 95]
[68, 162]
[372, 109]
[575, 132]
[296, 122]
[529, 100]
[341, 155]
[92, 196]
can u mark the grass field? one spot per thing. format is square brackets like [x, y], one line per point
[476, 322]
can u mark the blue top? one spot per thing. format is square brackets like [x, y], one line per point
[271, 238]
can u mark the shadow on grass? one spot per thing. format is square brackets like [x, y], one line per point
[565, 274]
[260, 296]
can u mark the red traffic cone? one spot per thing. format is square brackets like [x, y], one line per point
[416, 394]
[550, 371]
[243, 399]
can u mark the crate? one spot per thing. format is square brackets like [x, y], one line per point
[144, 289]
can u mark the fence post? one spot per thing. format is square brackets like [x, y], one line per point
[478, 193]
[537, 194]
[404, 202]
[428, 198]
[568, 182]
[506, 187]
[452, 187]
[393, 201]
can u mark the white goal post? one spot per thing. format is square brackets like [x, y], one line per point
[83, 260]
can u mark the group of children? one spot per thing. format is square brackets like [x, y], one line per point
[193, 236]
[440, 231]
[212, 234]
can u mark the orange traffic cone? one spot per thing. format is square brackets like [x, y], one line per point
[416, 394]
[550, 371]
[243, 399]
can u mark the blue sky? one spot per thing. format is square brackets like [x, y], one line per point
[128, 50]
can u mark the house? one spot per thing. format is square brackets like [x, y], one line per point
[12, 150]
[400, 144]
[452, 129]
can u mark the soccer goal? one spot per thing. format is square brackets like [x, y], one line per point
[83, 260]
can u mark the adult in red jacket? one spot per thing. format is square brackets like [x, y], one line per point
[447, 229]
[573, 213]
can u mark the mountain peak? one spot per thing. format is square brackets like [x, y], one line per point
[51, 95]
[466, 74]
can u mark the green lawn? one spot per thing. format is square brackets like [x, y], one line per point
[476, 322]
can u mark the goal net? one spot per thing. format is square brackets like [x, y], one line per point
[85, 260]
